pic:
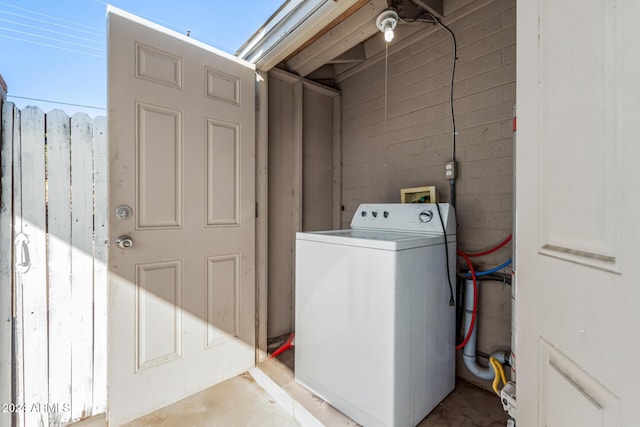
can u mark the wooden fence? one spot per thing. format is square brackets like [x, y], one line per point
[53, 242]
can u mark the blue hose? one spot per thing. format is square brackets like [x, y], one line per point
[493, 270]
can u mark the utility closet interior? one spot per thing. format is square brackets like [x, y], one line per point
[353, 119]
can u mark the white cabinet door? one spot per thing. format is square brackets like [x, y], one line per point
[578, 213]
[182, 157]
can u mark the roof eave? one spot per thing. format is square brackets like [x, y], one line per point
[291, 26]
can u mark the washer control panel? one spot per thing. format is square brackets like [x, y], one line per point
[374, 213]
[405, 217]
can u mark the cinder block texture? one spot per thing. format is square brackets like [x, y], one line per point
[397, 134]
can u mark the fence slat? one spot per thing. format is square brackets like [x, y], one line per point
[31, 258]
[6, 244]
[59, 262]
[82, 264]
[17, 286]
[100, 175]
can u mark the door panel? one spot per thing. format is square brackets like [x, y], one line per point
[158, 66]
[570, 396]
[578, 81]
[576, 214]
[223, 87]
[222, 298]
[159, 165]
[223, 178]
[158, 316]
[181, 120]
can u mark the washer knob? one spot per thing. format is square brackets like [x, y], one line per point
[425, 216]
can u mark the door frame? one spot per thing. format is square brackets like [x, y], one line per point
[295, 136]
[262, 212]
[262, 182]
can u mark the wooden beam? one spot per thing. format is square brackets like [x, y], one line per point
[340, 38]
[289, 31]
[344, 36]
[373, 59]
[433, 6]
[355, 54]
[353, 9]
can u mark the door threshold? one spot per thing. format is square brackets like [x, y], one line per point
[309, 410]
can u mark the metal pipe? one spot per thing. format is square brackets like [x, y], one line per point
[469, 354]
[453, 193]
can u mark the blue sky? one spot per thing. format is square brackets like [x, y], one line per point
[56, 49]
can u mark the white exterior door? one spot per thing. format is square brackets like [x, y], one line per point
[578, 213]
[182, 157]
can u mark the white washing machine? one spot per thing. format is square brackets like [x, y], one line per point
[374, 326]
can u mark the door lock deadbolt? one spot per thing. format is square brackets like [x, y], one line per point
[124, 212]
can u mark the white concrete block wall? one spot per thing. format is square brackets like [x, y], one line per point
[407, 143]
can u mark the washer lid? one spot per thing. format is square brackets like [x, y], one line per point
[391, 241]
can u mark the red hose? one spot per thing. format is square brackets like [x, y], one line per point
[475, 286]
[500, 245]
[284, 347]
[475, 298]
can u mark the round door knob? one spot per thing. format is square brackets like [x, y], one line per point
[124, 242]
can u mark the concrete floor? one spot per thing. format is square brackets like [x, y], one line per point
[467, 406]
[241, 402]
[238, 402]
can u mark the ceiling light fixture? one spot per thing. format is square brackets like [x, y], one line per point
[386, 23]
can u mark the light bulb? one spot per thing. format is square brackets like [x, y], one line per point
[388, 34]
[386, 23]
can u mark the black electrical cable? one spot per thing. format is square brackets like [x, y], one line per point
[453, 117]
[55, 102]
[453, 73]
[434, 20]
[452, 301]
[460, 288]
